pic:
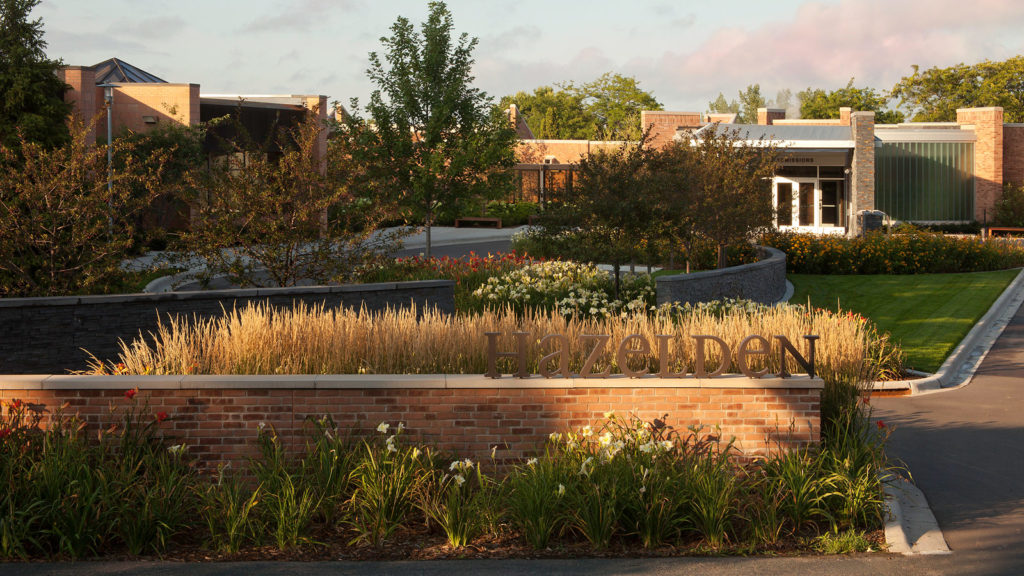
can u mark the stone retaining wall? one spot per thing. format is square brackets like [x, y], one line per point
[762, 281]
[47, 335]
[218, 416]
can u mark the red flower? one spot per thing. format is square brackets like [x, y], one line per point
[129, 394]
[161, 416]
[4, 433]
[15, 404]
[881, 424]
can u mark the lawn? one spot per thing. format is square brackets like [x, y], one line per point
[928, 313]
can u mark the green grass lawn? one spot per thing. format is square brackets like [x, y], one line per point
[927, 313]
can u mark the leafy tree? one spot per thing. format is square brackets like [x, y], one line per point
[817, 103]
[750, 99]
[607, 108]
[731, 185]
[266, 221]
[1010, 207]
[609, 210]
[616, 102]
[722, 106]
[62, 230]
[183, 153]
[553, 114]
[934, 94]
[31, 94]
[436, 140]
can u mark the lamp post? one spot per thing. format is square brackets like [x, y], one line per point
[108, 99]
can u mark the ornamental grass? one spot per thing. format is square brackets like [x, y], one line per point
[261, 339]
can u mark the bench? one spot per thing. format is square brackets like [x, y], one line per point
[477, 221]
[1008, 229]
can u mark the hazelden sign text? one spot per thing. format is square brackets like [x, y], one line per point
[636, 345]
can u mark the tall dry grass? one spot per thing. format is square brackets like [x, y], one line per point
[311, 340]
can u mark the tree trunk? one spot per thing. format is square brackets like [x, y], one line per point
[723, 260]
[429, 221]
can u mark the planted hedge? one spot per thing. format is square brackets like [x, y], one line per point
[908, 252]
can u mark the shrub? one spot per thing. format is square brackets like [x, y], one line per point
[1010, 207]
[512, 213]
[912, 252]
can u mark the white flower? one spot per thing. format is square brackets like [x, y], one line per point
[382, 427]
[609, 414]
[531, 462]
[416, 453]
[494, 451]
[455, 465]
[587, 431]
[401, 426]
[555, 436]
[605, 439]
[459, 479]
[643, 489]
[647, 447]
[176, 448]
[561, 489]
[261, 426]
[667, 444]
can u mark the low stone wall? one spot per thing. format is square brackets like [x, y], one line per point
[762, 281]
[218, 416]
[47, 335]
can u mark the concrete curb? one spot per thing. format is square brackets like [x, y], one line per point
[910, 526]
[963, 362]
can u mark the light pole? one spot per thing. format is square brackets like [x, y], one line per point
[108, 99]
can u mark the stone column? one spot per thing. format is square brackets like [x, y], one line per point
[862, 171]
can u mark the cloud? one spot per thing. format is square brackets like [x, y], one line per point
[824, 45]
[513, 37]
[300, 15]
[148, 29]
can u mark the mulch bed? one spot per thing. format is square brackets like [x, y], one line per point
[421, 543]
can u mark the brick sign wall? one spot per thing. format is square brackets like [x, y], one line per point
[218, 416]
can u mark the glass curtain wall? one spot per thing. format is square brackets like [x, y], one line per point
[925, 181]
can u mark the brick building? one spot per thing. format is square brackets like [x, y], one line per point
[141, 101]
[835, 169]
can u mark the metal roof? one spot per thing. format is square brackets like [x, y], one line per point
[922, 133]
[796, 136]
[114, 70]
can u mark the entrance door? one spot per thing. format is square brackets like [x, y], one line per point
[807, 203]
[831, 202]
[795, 201]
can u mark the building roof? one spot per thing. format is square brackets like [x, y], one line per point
[786, 136]
[114, 70]
[922, 132]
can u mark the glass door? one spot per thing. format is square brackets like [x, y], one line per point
[807, 204]
[783, 203]
[831, 203]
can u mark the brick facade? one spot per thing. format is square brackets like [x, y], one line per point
[218, 416]
[1013, 153]
[133, 103]
[663, 125]
[987, 124]
[768, 116]
[82, 94]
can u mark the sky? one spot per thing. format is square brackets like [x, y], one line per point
[684, 52]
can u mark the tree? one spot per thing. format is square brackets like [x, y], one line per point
[731, 182]
[553, 114]
[817, 103]
[609, 211]
[436, 140]
[64, 228]
[616, 102]
[607, 108]
[265, 221]
[722, 106]
[31, 94]
[935, 94]
[750, 100]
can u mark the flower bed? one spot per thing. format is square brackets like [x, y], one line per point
[909, 252]
[625, 484]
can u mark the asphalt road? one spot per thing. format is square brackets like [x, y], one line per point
[460, 250]
[965, 451]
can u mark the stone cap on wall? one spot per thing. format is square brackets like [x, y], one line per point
[385, 381]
